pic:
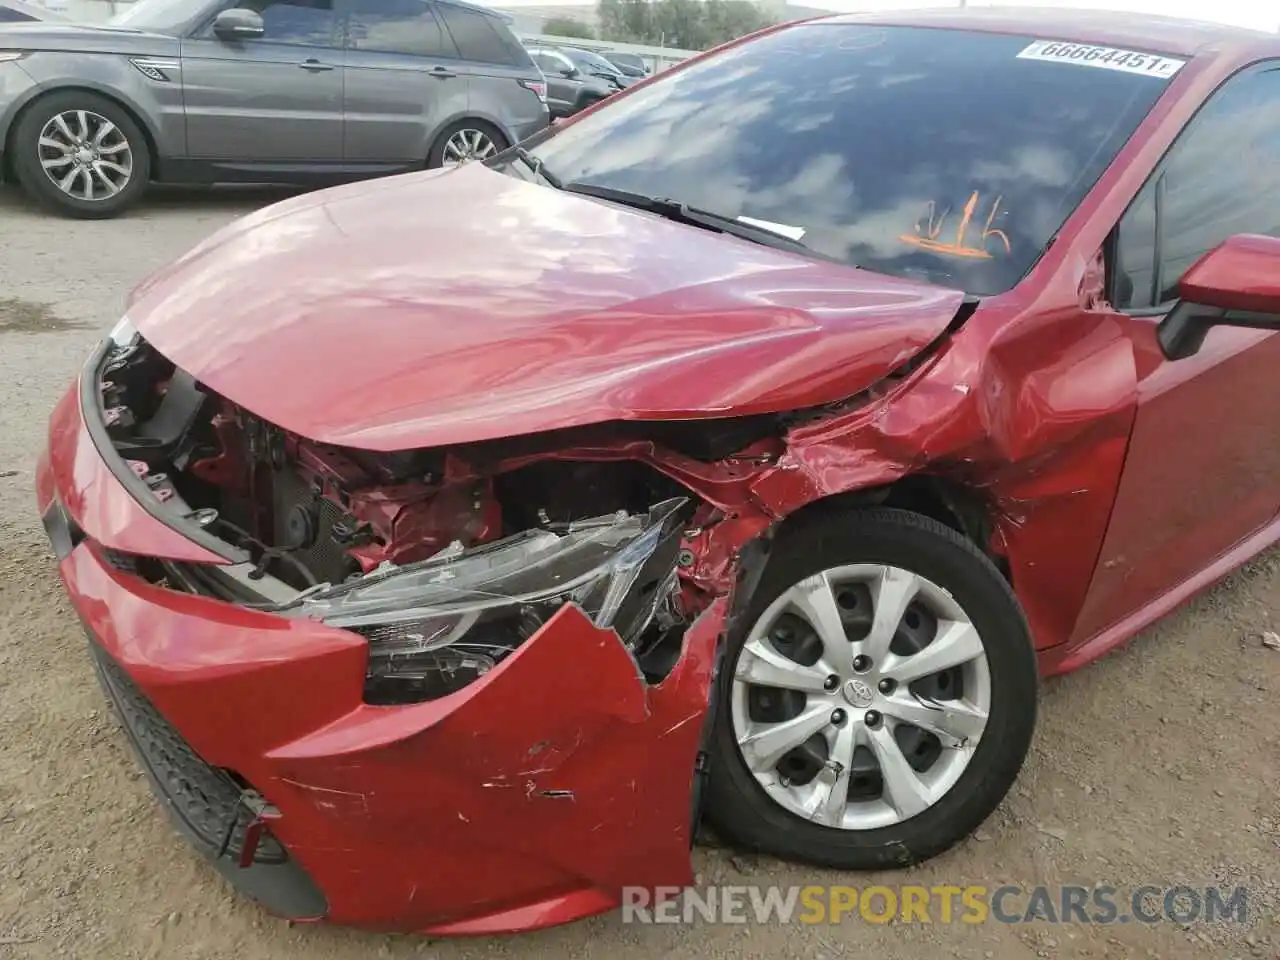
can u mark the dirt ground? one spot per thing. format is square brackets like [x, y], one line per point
[1159, 765]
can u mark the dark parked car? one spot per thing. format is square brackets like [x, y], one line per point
[630, 64]
[278, 91]
[592, 64]
[569, 87]
[745, 447]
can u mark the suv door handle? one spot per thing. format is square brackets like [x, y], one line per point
[315, 65]
[440, 73]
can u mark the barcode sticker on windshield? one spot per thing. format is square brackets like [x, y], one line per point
[1108, 58]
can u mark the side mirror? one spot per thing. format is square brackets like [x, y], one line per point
[570, 73]
[238, 24]
[1236, 284]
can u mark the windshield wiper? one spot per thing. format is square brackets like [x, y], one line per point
[680, 211]
[535, 164]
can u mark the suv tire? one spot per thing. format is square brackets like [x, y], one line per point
[81, 155]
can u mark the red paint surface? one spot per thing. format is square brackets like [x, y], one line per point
[1238, 275]
[1115, 483]
[436, 814]
[602, 313]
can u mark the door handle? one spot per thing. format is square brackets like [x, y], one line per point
[440, 73]
[315, 65]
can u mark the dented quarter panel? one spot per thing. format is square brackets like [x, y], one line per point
[1043, 443]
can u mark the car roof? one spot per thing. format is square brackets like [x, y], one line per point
[477, 8]
[1159, 34]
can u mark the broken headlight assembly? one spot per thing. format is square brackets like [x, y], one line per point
[436, 626]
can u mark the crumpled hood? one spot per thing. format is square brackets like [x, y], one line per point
[465, 305]
[86, 38]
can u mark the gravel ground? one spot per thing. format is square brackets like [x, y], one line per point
[1159, 765]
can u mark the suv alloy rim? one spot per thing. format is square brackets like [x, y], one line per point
[468, 145]
[85, 155]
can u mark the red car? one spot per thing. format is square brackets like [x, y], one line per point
[745, 447]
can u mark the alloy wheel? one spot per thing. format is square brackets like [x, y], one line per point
[466, 145]
[85, 155]
[860, 696]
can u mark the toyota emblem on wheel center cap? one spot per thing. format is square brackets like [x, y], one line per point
[858, 694]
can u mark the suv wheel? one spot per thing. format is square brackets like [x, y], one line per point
[466, 141]
[877, 702]
[81, 155]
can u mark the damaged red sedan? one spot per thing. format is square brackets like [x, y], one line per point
[745, 448]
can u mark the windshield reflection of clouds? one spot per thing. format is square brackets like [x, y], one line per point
[853, 133]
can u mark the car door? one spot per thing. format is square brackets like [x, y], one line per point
[275, 98]
[562, 92]
[1202, 471]
[497, 68]
[403, 80]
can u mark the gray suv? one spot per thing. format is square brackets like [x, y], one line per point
[300, 92]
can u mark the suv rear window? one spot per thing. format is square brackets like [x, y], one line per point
[948, 156]
[481, 37]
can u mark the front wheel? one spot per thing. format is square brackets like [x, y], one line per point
[81, 155]
[879, 701]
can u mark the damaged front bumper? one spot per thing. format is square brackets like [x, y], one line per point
[528, 793]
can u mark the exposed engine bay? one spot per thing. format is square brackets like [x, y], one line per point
[445, 560]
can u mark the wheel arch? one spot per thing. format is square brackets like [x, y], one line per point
[951, 503]
[135, 114]
[469, 116]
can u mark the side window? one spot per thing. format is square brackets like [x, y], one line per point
[475, 35]
[555, 64]
[1134, 260]
[395, 26]
[546, 63]
[1221, 177]
[309, 23]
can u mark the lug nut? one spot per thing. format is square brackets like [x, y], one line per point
[872, 718]
[886, 685]
[837, 717]
[832, 682]
[861, 663]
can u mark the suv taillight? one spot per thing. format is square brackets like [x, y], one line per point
[537, 86]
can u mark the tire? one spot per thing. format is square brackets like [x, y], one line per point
[890, 829]
[436, 158]
[118, 175]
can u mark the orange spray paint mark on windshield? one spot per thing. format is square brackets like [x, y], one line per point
[928, 232]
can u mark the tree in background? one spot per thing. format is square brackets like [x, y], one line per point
[567, 27]
[684, 24]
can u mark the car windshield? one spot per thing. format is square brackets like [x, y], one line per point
[625, 64]
[948, 156]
